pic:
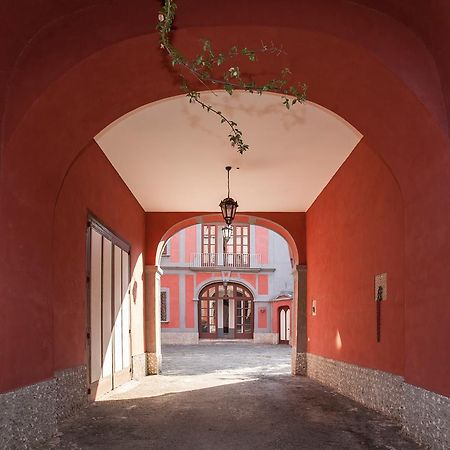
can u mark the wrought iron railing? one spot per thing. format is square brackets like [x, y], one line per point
[217, 260]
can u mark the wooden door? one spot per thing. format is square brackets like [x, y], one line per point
[208, 301]
[244, 317]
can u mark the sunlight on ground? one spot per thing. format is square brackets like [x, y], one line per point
[154, 386]
[191, 368]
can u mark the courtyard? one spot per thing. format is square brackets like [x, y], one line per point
[227, 396]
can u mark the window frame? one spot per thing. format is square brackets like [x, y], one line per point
[167, 299]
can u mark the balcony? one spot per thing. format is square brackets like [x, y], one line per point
[229, 260]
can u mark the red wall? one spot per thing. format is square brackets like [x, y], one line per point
[275, 314]
[45, 311]
[355, 231]
[249, 278]
[172, 282]
[68, 85]
[92, 184]
[262, 317]
[189, 298]
[190, 243]
[262, 243]
[263, 284]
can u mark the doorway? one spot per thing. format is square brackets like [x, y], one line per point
[226, 312]
[109, 310]
[284, 322]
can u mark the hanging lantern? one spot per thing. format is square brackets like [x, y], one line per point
[228, 205]
[227, 233]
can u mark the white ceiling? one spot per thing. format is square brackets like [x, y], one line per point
[172, 154]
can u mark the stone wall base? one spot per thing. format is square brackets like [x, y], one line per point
[179, 338]
[71, 392]
[139, 364]
[299, 363]
[30, 415]
[265, 338]
[153, 363]
[424, 415]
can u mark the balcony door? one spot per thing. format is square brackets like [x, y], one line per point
[209, 246]
[237, 249]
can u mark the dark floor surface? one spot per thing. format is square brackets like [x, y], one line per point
[205, 401]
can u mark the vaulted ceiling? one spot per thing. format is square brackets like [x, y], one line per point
[293, 154]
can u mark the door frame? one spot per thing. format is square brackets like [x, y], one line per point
[235, 298]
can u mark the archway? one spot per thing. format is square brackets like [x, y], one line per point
[294, 221]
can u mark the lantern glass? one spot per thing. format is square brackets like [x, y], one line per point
[228, 207]
[227, 233]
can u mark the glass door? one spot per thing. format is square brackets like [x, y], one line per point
[208, 313]
[244, 313]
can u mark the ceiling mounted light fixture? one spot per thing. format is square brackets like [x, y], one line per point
[228, 205]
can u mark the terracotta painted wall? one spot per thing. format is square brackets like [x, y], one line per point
[45, 308]
[263, 284]
[91, 184]
[262, 243]
[249, 278]
[190, 242]
[189, 298]
[57, 100]
[172, 282]
[275, 312]
[354, 231]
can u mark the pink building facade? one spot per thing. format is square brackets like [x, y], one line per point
[241, 289]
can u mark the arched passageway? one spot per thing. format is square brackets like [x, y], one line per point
[167, 226]
[72, 69]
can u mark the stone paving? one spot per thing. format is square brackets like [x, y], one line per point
[227, 396]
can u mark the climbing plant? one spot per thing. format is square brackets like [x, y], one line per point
[204, 69]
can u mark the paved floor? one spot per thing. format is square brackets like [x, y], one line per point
[227, 396]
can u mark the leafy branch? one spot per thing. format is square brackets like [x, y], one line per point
[204, 65]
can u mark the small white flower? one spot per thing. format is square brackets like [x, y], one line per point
[161, 17]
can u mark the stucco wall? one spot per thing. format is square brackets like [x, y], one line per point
[355, 230]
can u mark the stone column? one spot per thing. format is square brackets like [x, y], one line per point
[152, 319]
[299, 342]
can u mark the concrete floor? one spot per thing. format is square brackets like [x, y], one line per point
[227, 396]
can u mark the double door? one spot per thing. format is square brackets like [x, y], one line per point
[109, 318]
[226, 312]
[284, 324]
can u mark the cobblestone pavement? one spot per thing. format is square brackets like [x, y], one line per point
[226, 357]
[227, 396]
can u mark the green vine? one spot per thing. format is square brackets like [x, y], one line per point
[203, 66]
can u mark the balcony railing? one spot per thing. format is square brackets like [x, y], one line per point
[233, 260]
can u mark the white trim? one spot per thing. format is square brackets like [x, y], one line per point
[167, 249]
